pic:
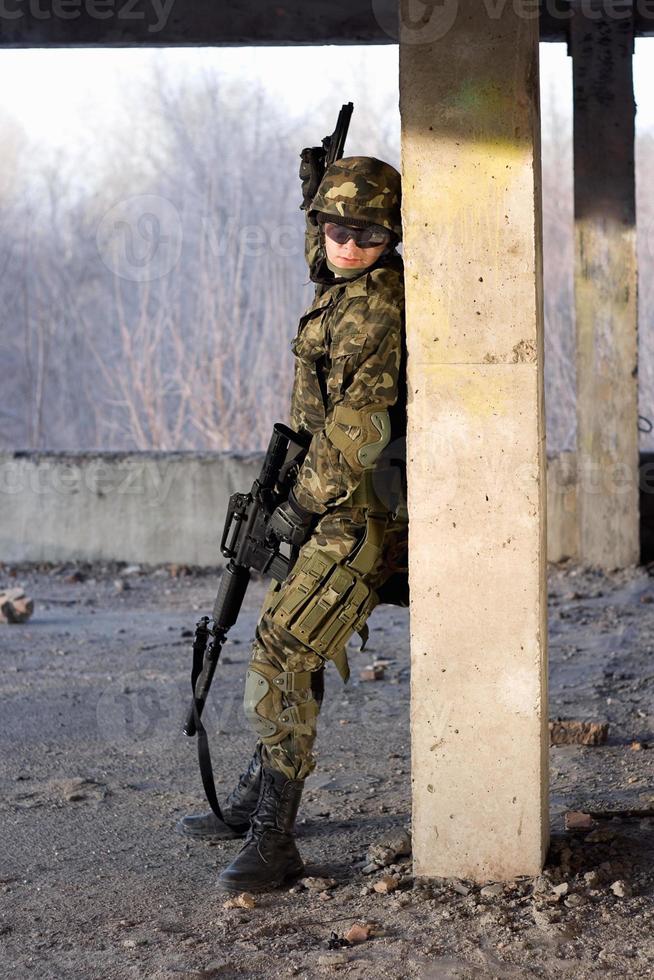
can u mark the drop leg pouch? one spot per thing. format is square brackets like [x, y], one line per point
[324, 601]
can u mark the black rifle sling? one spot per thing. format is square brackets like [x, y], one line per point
[206, 769]
[204, 755]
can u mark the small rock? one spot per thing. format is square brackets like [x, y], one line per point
[592, 879]
[543, 919]
[459, 887]
[388, 849]
[372, 673]
[242, 901]
[493, 890]
[370, 869]
[385, 885]
[636, 746]
[358, 933]
[333, 959]
[577, 820]
[318, 884]
[621, 889]
[601, 835]
[131, 570]
[578, 732]
[178, 571]
[15, 606]
[561, 889]
[120, 585]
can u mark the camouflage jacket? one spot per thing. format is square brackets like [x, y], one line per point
[349, 350]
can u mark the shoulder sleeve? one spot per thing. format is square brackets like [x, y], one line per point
[313, 252]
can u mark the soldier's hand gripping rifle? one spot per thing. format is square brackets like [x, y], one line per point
[248, 544]
[316, 159]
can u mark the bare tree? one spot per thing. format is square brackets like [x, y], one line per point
[94, 355]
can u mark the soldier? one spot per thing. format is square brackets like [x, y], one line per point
[348, 393]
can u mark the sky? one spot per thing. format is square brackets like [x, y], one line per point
[54, 93]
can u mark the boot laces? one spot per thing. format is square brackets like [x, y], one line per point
[244, 779]
[264, 814]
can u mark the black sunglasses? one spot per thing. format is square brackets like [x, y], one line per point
[369, 237]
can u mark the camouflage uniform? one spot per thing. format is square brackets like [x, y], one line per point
[349, 352]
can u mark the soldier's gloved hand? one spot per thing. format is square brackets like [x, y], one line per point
[312, 168]
[291, 522]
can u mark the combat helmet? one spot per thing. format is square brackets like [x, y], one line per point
[360, 191]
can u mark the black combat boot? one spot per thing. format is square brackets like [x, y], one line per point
[269, 856]
[237, 809]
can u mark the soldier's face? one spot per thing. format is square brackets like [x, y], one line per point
[349, 255]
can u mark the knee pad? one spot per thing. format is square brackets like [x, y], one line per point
[270, 713]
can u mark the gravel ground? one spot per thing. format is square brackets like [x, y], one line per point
[94, 772]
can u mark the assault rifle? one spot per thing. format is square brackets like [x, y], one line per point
[249, 546]
[316, 159]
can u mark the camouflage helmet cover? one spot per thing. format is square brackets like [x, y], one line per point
[361, 190]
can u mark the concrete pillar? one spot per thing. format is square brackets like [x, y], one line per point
[472, 226]
[601, 45]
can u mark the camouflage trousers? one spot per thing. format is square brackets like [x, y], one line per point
[285, 679]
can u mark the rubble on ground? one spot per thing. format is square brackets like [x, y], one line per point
[578, 732]
[15, 606]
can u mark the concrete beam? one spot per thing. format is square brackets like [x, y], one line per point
[472, 226]
[605, 288]
[122, 23]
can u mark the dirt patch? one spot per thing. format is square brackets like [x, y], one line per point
[94, 882]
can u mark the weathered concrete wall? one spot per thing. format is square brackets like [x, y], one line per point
[135, 507]
[167, 507]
